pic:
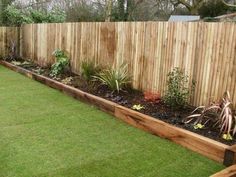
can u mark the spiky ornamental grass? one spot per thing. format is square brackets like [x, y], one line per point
[89, 70]
[115, 79]
[205, 115]
[227, 117]
[220, 114]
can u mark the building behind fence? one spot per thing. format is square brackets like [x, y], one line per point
[207, 51]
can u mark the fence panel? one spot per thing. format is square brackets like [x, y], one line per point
[9, 36]
[206, 51]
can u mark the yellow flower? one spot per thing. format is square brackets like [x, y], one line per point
[198, 126]
[137, 107]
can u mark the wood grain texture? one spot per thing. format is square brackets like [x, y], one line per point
[206, 51]
[9, 35]
[228, 172]
[205, 146]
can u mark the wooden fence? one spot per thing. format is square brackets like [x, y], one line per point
[207, 51]
[8, 36]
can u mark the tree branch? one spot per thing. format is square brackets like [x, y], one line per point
[229, 5]
[199, 4]
[183, 2]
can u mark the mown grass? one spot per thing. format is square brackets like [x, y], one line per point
[44, 133]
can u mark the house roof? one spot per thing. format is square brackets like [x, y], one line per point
[183, 18]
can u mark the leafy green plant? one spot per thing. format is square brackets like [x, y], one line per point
[89, 70]
[178, 92]
[56, 15]
[38, 16]
[16, 16]
[115, 79]
[59, 53]
[61, 64]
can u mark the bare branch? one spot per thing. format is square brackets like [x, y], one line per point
[229, 5]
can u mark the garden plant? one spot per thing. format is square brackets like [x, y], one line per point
[61, 65]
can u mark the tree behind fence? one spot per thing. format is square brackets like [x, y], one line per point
[207, 51]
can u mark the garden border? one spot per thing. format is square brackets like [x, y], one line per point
[210, 148]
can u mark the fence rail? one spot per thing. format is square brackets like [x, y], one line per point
[206, 51]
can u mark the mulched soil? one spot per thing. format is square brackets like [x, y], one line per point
[129, 98]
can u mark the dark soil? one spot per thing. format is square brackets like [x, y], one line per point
[129, 98]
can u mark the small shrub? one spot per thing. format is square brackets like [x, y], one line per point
[61, 64]
[16, 16]
[178, 92]
[59, 53]
[89, 70]
[115, 79]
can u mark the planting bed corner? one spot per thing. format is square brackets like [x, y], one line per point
[228, 172]
[210, 148]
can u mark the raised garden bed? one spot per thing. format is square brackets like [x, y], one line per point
[156, 109]
[203, 145]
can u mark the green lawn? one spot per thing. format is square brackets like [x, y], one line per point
[44, 133]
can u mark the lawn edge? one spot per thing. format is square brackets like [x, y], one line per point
[211, 149]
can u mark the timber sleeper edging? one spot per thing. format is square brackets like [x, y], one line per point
[210, 148]
[230, 156]
[227, 172]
